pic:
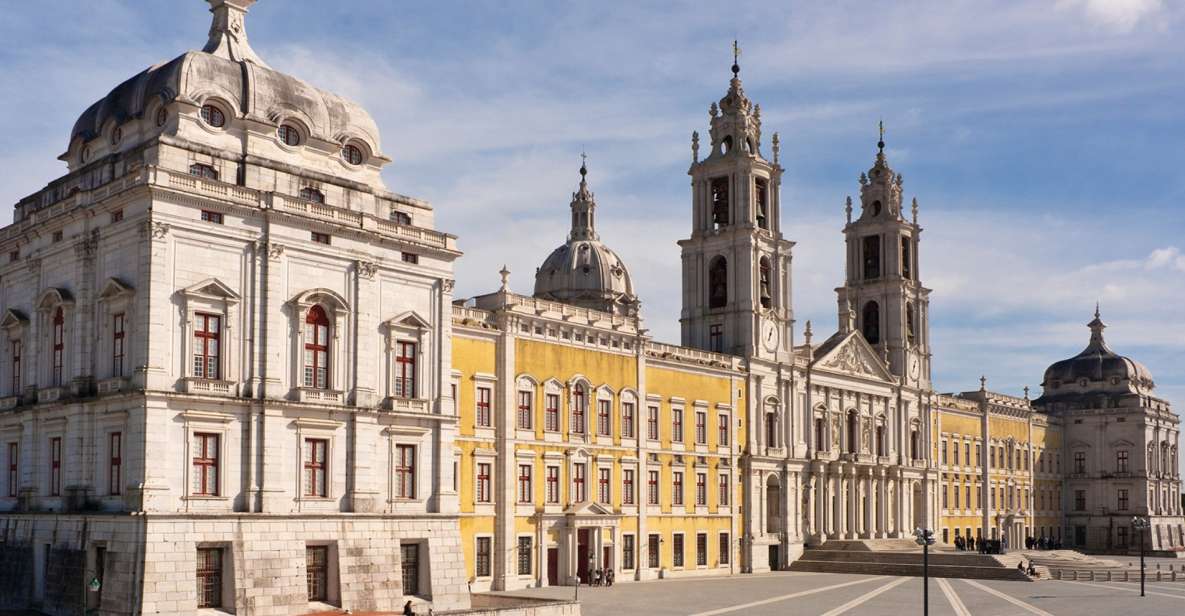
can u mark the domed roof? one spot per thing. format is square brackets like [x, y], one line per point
[584, 271]
[228, 69]
[1096, 369]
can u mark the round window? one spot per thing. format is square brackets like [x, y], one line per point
[213, 116]
[162, 116]
[288, 134]
[352, 154]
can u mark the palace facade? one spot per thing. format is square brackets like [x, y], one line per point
[234, 377]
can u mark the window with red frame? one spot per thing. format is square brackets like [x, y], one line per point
[652, 488]
[205, 464]
[652, 423]
[316, 349]
[115, 463]
[321, 238]
[578, 405]
[677, 425]
[701, 489]
[207, 346]
[724, 490]
[551, 413]
[212, 217]
[55, 466]
[405, 471]
[59, 346]
[701, 428]
[627, 487]
[483, 407]
[722, 438]
[13, 466]
[604, 423]
[405, 369]
[315, 467]
[524, 409]
[15, 378]
[677, 488]
[483, 482]
[604, 476]
[553, 484]
[578, 485]
[627, 420]
[117, 338]
[524, 483]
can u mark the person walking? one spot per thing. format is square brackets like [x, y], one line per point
[407, 611]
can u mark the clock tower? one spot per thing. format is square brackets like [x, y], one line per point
[736, 265]
[883, 289]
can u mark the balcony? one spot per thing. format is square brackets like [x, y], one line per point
[209, 387]
[319, 396]
[51, 394]
[112, 385]
[7, 403]
[406, 405]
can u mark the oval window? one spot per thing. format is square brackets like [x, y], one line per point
[213, 116]
[116, 135]
[352, 154]
[288, 134]
[162, 116]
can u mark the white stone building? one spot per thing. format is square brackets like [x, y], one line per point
[225, 343]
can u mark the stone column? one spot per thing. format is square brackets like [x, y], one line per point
[853, 504]
[812, 511]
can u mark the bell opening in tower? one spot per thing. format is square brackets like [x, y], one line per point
[872, 257]
[720, 202]
[872, 323]
[906, 261]
[762, 191]
[718, 283]
[763, 277]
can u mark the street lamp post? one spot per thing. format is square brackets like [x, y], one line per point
[925, 538]
[1141, 524]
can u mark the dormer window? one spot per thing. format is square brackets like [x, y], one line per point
[288, 134]
[352, 154]
[213, 116]
[312, 194]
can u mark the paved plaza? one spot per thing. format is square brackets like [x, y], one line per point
[832, 594]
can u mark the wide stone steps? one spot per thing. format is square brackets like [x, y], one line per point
[948, 565]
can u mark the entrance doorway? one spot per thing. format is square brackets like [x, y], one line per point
[607, 557]
[1080, 536]
[553, 566]
[774, 557]
[583, 554]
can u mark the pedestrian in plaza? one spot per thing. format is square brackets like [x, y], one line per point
[971, 544]
[407, 611]
[609, 575]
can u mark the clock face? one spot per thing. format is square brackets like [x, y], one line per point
[769, 336]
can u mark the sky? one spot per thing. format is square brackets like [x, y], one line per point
[1043, 140]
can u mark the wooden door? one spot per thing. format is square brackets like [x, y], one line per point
[553, 566]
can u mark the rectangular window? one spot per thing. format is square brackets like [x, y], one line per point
[1079, 500]
[209, 577]
[722, 438]
[405, 369]
[701, 489]
[524, 556]
[1079, 462]
[652, 488]
[652, 551]
[944, 453]
[1122, 505]
[945, 497]
[978, 455]
[967, 454]
[701, 428]
[761, 201]
[677, 425]
[214, 217]
[725, 549]
[207, 347]
[14, 256]
[553, 484]
[320, 238]
[205, 464]
[603, 482]
[316, 559]
[116, 216]
[725, 490]
[59, 347]
[677, 548]
[551, 416]
[956, 489]
[627, 420]
[115, 463]
[483, 482]
[411, 257]
[57, 236]
[483, 407]
[578, 410]
[410, 564]
[117, 341]
[1121, 461]
[627, 486]
[314, 467]
[524, 483]
[55, 466]
[627, 552]
[525, 412]
[652, 423]
[578, 483]
[677, 488]
[701, 549]
[967, 495]
[906, 270]
[483, 557]
[405, 471]
[13, 462]
[604, 424]
[15, 378]
[716, 338]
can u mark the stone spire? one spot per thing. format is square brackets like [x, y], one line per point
[1096, 326]
[228, 32]
[583, 207]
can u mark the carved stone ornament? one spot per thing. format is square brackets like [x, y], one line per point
[849, 360]
[87, 248]
[367, 269]
[156, 230]
[33, 265]
[448, 284]
[274, 250]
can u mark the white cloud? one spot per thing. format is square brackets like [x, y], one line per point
[1118, 15]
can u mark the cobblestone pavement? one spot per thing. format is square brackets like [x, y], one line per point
[832, 594]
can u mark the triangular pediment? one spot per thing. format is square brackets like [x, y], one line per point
[851, 354]
[409, 320]
[589, 508]
[13, 318]
[212, 288]
[113, 288]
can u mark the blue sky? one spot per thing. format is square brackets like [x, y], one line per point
[1043, 140]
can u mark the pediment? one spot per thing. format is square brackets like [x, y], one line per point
[589, 508]
[52, 297]
[113, 288]
[13, 318]
[1080, 445]
[409, 320]
[212, 288]
[1122, 443]
[850, 353]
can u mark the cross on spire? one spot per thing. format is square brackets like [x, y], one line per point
[880, 144]
[736, 56]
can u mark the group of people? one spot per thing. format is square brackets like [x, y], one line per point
[1042, 543]
[965, 543]
[1028, 570]
[600, 577]
[981, 545]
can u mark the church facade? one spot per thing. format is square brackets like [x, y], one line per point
[233, 376]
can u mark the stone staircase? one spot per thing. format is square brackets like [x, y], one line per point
[1072, 565]
[903, 557]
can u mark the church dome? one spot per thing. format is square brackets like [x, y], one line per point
[584, 271]
[227, 71]
[1097, 369]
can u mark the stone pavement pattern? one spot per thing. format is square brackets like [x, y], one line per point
[834, 594]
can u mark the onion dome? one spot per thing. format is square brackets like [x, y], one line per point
[584, 271]
[1097, 369]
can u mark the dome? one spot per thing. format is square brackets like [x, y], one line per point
[1096, 369]
[229, 70]
[584, 271]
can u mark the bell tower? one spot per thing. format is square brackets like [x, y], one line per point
[883, 295]
[736, 265]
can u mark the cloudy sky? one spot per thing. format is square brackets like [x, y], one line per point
[1043, 140]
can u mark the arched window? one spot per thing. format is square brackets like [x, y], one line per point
[821, 434]
[914, 445]
[203, 171]
[872, 323]
[58, 347]
[764, 283]
[720, 202]
[872, 257]
[309, 193]
[771, 429]
[288, 134]
[316, 349]
[762, 202]
[853, 433]
[579, 403]
[880, 440]
[718, 283]
[213, 116]
[909, 323]
[352, 154]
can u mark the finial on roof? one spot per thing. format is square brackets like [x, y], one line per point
[1026, 392]
[880, 144]
[1096, 326]
[583, 163]
[848, 209]
[228, 32]
[807, 333]
[885, 355]
[736, 57]
[1096, 309]
[777, 147]
[695, 146]
[505, 273]
[982, 383]
[915, 211]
